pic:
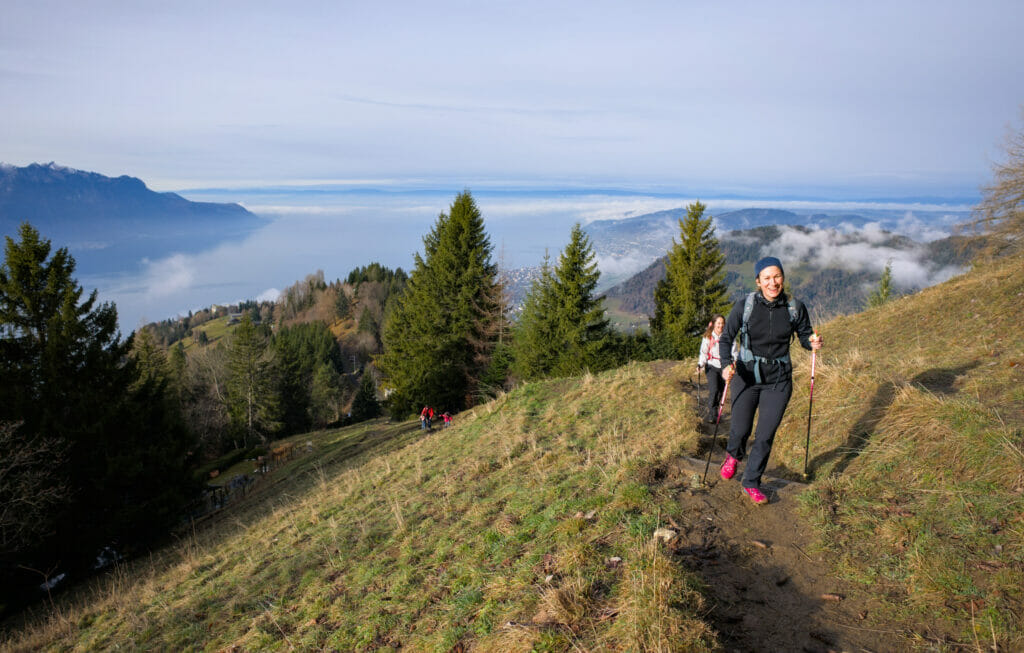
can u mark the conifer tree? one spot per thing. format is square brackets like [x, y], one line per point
[694, 285]
[299, 353]
[365, 405]
[177, 364]
[563, 329]
[883, 292]
[324, 395]
[252, 402]
[536, 343]
[342, 305]
[583, 327]
[150, 359]
[437, 339]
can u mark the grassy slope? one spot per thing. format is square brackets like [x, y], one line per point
[478, 535]
[444, 540]
[918, 454]
[215, 329]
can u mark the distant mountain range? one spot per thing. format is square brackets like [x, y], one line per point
[647, 237]
[832, 271]
[110, 224]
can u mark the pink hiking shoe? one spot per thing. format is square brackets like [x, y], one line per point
[729, 467]
[756, 495]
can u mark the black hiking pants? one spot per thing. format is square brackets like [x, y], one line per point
[715, 385]
[769, 400]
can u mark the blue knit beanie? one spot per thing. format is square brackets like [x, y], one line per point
[767, 262]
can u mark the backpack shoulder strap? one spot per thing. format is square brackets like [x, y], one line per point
[794, 317]
[748, 307]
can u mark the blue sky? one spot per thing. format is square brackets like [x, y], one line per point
[866, 99]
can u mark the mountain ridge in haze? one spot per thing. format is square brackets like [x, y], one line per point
[111, 223]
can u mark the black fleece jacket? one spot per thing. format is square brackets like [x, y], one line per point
[769, 329]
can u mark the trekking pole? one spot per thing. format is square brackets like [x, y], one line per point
[714, 436]
[810, 406]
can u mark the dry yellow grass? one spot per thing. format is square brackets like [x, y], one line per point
[916, 452]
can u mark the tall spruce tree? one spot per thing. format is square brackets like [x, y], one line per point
[150, 359]
[694, 285]
[252, 400]
[438, 338]
[584, 330]
[563, 329]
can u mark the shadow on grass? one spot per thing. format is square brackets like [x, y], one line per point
[938, 380]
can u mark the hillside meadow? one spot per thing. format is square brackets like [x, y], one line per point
[528, 524]
[383, 538]
[918, 461]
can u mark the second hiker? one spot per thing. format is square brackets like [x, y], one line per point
[711, 364]
[762, 377]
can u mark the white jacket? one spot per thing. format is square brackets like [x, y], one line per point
[709, 352]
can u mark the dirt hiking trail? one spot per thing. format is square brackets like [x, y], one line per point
[768, 591]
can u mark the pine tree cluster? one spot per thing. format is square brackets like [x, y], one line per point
[102, 453]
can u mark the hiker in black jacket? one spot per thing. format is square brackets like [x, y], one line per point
[762, 377]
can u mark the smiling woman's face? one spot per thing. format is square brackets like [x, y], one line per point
[770, 282]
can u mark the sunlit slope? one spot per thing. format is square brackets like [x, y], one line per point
[499, 533]
[917, 451]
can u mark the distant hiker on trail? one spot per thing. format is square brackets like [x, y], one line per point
[762, 377]
[426, 417]
[711, 364]
[447, 417]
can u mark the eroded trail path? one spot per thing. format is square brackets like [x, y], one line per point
[769, 592]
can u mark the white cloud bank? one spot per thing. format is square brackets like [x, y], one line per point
[828, 248]
[169, 276]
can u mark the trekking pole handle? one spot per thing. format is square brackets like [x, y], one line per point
[721, 404]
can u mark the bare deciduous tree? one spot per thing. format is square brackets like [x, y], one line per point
[28, 490]
[204, 384]
[1000, 216]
